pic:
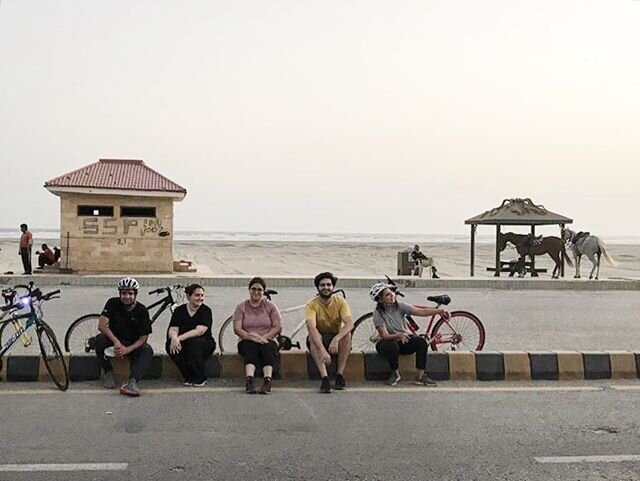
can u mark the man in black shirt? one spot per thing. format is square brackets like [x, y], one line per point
[125, 325]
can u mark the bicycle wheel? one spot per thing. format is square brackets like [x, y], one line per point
[463, 331]
[364, 335]
[221, 335]
[81, 335]
[52, 356]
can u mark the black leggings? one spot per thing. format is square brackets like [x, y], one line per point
[258, 354]
[192, 359]
[392, 349]
[140, 359]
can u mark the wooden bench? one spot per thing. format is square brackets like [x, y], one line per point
[510, 267]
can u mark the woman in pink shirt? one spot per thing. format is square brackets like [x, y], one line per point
[257, 322]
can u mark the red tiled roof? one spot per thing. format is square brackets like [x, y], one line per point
[118, 174]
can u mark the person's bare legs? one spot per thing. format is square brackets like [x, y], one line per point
[316, 354]
[249, 370]
[267, 371]
[344, 349]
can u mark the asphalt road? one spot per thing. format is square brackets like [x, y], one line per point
[514, 320]
[367, 433]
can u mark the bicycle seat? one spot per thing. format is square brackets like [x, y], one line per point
[442, 299]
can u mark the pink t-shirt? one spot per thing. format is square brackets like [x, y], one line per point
[257, 319]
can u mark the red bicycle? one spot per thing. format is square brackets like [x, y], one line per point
[463, 331]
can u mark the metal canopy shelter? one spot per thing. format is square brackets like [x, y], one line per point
[512, 212]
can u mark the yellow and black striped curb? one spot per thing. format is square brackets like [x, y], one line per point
[469, 366]
[365, 282]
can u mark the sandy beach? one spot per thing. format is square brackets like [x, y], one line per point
[283, 258]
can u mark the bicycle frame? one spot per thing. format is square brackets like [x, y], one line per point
[32, 319]
[164, 303]
[427, 332]
[298, 327]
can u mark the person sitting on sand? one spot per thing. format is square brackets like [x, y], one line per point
[46, 257]
[421, 261]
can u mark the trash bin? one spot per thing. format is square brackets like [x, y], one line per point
[405, 265]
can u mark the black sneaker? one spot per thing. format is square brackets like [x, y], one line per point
[266, 386]
[249, 385]
[426, 381]
[394, 379]
[340, 383]
[325, 385]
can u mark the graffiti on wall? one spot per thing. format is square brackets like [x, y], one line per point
[110, 226]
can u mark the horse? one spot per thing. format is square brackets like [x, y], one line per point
[527, 245]
[589, 245]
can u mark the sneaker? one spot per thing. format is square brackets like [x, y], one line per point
[108, 381]
[394, 379]
[340, 383]
[426, 381]
[249, 385]
[130, 388]
[200, 384]
[266, 386]
[325, 385]
[187, 383]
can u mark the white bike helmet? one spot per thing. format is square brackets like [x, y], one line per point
[128, 284]
[377, 289]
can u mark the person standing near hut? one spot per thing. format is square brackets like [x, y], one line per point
[26, 243]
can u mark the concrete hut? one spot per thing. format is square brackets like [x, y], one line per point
[116, 216]
[513, 212]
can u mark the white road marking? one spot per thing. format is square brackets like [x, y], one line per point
[64, 467]
[302, 389]
[619, 458]
[625, 387]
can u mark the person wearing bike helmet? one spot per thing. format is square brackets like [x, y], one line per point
[396, 338]
[329, 323]
[125, 325]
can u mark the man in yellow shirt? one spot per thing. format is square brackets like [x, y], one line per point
[329, 323]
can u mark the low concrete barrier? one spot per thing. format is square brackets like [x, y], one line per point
[441, 366]
[49, 280]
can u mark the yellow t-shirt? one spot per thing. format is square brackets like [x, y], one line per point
[329, 316]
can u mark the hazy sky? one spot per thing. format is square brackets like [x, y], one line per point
[329, 116]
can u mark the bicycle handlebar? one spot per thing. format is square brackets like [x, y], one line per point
[159, 290]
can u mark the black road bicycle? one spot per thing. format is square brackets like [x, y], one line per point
[81, 335]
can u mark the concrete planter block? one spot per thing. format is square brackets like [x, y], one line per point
[623, 365]
[22, 368]
[570, 365]
[462, 366]
[293, 365]
[489, 366]
[544, 366]
[597, 365]
[84, 368]
[516, 366]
